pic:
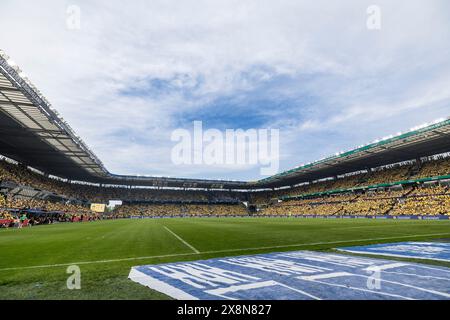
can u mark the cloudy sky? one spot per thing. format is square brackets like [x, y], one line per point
[135, 71]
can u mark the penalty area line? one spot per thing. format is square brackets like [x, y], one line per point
[216, 251]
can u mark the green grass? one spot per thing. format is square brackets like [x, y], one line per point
[33, 261]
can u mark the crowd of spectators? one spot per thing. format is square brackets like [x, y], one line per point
[388, 174]
[163, 210]
[93, 193]
[433, 200]
[165, 202]
[421, 200]
[29, 212]
[5, 215]
[20, 219]
[437, 167]
[23, 203]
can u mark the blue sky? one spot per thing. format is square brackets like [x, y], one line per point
[134, 73]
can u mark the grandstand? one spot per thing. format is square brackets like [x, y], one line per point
[384, 190]
[48, 176]
[45, 162]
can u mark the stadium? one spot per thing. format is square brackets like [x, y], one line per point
[370, 223]
[399, 185]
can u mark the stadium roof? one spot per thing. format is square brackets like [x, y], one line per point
[33, 133]
[427, 140]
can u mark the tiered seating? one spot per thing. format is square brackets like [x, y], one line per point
[424, 201]
[382, 175]
[388, 175]
[219, 210]
[2, 201]
[5, 216]
[46, 206]
[411, 201]
[434, 168]
[368, 206]
[148, 210]
[21, 175]
[185, 202]
[328, 205]
[161, 210]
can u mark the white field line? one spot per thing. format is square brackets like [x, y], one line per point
[182, 240]
[411, 256]
[339, 274]
[221, 292]
[431, 268]
[416, 275]
[217, 251]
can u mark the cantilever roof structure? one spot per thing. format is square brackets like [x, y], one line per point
[420, 142]
[33, 133]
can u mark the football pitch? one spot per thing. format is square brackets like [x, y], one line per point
[34, 261]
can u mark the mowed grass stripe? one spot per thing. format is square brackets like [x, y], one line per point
[103, 240]
[181, 239]
[141, 238]
[227, 233]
